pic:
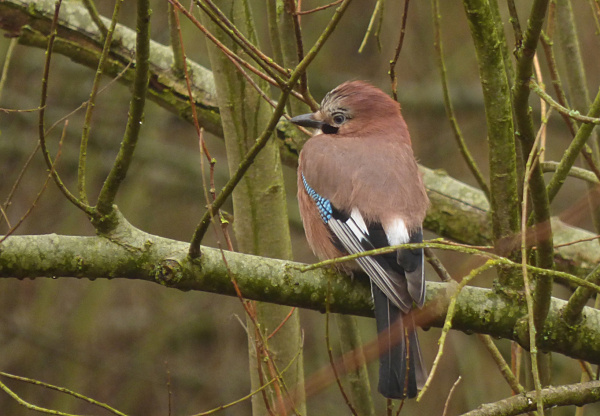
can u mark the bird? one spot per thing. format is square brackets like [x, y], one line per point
[359, 188]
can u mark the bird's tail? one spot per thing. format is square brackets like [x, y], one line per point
[402, 372]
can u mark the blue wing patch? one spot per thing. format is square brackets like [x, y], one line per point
[323, 204]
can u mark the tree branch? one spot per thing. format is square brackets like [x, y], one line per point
[79, 39]
[504, 199]
[117, 174]
[569, 395]
[132, 254]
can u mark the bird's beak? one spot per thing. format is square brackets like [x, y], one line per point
[307, 120]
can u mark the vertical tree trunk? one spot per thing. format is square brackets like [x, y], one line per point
[260, 212]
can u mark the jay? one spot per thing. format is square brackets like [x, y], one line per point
[359, 188]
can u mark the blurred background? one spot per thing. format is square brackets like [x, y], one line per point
[139, 346]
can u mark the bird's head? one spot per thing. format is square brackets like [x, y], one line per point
[353, 107]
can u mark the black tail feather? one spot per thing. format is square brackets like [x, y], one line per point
[401, 370]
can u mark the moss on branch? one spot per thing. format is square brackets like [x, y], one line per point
[132, 254]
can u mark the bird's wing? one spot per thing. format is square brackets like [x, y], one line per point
[386, 270]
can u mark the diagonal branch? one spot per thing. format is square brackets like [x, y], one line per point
[223, 22]
[119, 170]
[460, 141]
[85, 135]
[574, 114]
[580, 139]
[42, 118]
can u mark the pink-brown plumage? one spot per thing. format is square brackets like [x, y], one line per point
[359, 187]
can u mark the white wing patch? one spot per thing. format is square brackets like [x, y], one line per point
[396, 232]
[353, 233]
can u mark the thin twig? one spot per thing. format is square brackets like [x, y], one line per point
[516, 355]
[7, 61]
[249, 395]
[44, 186]
[574, 114]
[501, 363]
[574, 149]
[572, 310]
[217, 16]
[176, 41]
[30, 406]
[4, 217]
[500, 261]
[85, 135]
[243, 167]
[575, 172]
[377, 10]
[448, 321]
[330, 354]
[268, 360]
[450, 394]
[318, 9]
[546, 41]
[56, 123]
[551, 21]
[595, 6]
[91, 8]
[514, 20]
[262, 350]
[588, 155]
[259, 348]
[547, 45]
[17, 183]
[290, 8]
[543, 116]
[15, 110]
[288, 316]
[252, 83]
[583, 240]
[437, 265]
[62, 390]
[271, 78]
[531, 319]
[199, 130]
[458, 136]
[394, 60]
[42, 115]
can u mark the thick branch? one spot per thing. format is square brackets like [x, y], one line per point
[79, 39]
[502, 154]
[133, 254]
[573, 394]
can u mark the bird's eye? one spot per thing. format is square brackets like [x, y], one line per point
[339, 118]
